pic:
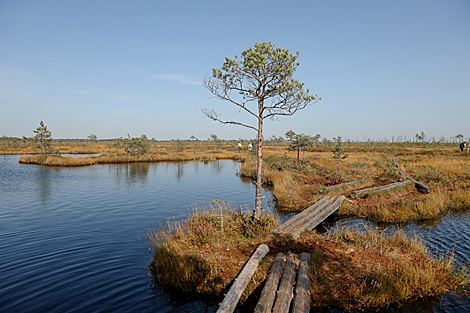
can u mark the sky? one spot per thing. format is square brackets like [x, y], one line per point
[382, 68]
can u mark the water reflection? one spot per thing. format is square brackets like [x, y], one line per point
[216, 166]
[94, 241]
[44, 185]
[132, 173]
[180, 301]
[179, 170]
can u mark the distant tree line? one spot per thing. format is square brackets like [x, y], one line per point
[42, 140]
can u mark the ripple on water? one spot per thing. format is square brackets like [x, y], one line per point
[69, 237]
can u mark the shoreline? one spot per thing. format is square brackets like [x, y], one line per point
[205, 252]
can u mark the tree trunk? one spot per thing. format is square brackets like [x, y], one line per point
[259, 179]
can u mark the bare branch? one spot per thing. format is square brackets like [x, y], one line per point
[213, 115]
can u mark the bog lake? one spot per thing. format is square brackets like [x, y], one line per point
[73, 239]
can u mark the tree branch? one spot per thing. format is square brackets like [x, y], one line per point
[213, 115]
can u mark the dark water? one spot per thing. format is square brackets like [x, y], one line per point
[69, 237]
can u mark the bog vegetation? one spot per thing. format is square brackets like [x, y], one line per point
[351, 269]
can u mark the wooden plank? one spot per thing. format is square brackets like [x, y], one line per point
[373, 188]
[420, 187]
[233, 295]
[318, 218]
[302, 288]
[401, 184]
[380, 188]
[266, 300]
[346, 184]
[298, 218]
[286, 286]
[301, 223]
[335, 206]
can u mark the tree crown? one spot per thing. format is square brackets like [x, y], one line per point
[262, 72]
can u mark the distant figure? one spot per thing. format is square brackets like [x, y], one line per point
[463, 145]
[239, 146]
[250, 146]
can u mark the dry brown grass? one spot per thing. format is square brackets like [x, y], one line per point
[205, 252]
[50, 160]
[350, 269]
[297, 185]
[389, 269]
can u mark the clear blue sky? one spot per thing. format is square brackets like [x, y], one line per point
[112, 68]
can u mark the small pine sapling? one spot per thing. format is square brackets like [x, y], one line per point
[338, 154]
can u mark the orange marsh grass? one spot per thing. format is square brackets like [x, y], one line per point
[395, 268]
[50, 160]
[124, 158]
[205, 252]
[350, 268]
[298, 186]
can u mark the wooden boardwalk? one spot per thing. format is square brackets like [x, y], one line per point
[287, 288]
[309, 218]
[294, 284]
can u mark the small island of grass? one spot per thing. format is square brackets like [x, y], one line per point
[351, 269]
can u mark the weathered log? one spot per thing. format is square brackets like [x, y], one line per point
[346, 184]
[315, 219]
[300, 224]
[299, 218]
[286, 286]
[400, 184]
[380, 188]
[233, 295]
[320, 218]
[373, 188]
[302, 288]
[266, 300]
[420, 187]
